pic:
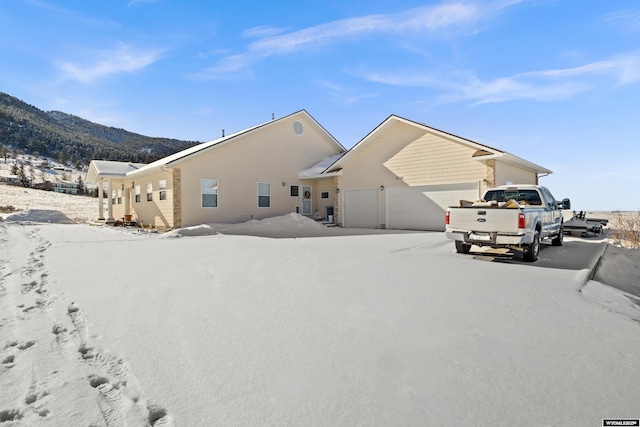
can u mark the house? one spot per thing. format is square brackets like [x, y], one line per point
[64, 187]
[402, 175]
[252, 174]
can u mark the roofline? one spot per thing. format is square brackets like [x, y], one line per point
[321, 175]
[226, 139]
[497, 154]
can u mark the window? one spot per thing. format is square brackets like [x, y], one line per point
[137, 193]
[529, 196]
[264, 195]
[324, 195]
[298, 127]
[294, 191]
[149, 192]
[120, 196]
[209, 191]
[113, 197]
[162, 186]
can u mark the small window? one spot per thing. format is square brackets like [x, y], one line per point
[162, 186]
[294, 191]
[113, 197]
[264, 195]
[149, 192]
[298, 127]
[324, 195]
[137, 188]
[209, 191]
[120, 196]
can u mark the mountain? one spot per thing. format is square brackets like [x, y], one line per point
[64, 136]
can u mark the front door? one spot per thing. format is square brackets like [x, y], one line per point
[306, 200]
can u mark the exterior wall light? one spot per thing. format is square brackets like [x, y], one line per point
[337, 190]
[382, 188]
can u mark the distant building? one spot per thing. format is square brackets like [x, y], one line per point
[65, 187]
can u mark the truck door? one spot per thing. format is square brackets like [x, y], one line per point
[553, 214]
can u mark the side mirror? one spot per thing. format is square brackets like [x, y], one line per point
[566, 204]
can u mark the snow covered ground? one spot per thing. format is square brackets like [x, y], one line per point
[109, 326]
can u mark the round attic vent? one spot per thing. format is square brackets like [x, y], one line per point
[298, 127]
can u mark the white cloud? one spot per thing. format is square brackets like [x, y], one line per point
[136, 2]
[546, 85]
[626, 20]
[262, 31]
[123, 59]
[440, 19]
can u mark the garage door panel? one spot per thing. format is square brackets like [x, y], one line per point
[362, 208]
[424, 207]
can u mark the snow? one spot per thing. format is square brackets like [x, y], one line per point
[207, 326]
[320, 167]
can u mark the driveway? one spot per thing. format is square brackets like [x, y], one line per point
[608, 264]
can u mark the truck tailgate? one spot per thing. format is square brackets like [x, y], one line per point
[484, 220]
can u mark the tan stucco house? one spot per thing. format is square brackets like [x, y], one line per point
[246, 175]
[402, 175]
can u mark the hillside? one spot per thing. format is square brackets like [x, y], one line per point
[60, 135]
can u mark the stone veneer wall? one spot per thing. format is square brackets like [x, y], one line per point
[177, 199]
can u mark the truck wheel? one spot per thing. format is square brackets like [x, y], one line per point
[557, 241]
[530, 253]
[462, 247]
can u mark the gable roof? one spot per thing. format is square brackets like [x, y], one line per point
[205, 146]
[107, 168]
[484, 152]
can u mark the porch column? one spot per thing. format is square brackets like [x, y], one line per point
[100, 201]
[127, 201]
[109, 202]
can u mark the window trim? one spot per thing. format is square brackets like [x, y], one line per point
[323, 193]
[137, 194]
[291, 187]
[264, 195]
[210, 192]
[162, 189]
[149, 193]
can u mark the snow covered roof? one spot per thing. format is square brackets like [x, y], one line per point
[106, 168]
[317, 170]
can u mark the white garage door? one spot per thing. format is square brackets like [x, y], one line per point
[362, 208]
[423, 207]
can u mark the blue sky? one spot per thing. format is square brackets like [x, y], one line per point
[555, 82]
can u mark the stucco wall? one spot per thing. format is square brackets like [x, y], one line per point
[274, 154]
[406, 155]
[508, 173]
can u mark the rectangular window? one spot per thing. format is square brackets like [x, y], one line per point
[162, 186]
[264, 195]
[137, 194]
[324, 195]
[113, 197]
[209, 191]
[149, 192]
[120, 196]
[294, 191]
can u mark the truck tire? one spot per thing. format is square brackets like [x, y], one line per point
[557, 241]
[462, 247]
[530, 252]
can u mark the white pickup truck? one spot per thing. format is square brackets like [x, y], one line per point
[512, 216]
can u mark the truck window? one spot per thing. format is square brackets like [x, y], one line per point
[530, 196]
